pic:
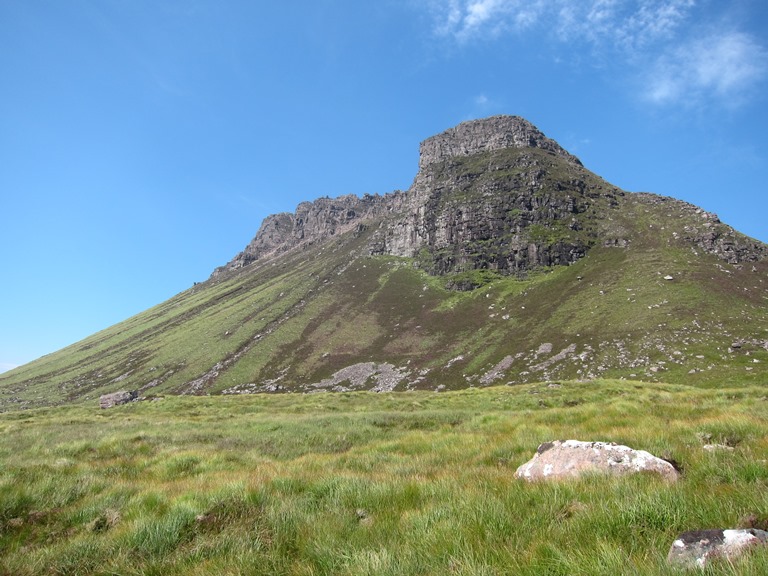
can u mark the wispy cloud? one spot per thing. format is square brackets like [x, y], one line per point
[624, 25]
[480, 105]
[723, 65]
[662, 43]
[627, 23]
[465, 20]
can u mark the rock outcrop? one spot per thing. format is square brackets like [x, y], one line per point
[510, 210]
[573, 458]
[492, 194]
[487, 135]
[698, 548]
[117, 398]
[511, 213]
[313, 222]
[704, 231]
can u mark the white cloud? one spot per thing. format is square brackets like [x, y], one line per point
[634, 25]
[478, 12]
[657, 42]
[447, 15]
[725, 65]
[629, 23]
[465, 20]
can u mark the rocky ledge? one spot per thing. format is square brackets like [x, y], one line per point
[487, 135]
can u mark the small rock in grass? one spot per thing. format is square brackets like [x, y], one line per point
[715, 447]
[363, 517]
[117, 398]
[697, 548]
[108, 519]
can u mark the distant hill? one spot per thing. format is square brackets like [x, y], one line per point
[506, 261]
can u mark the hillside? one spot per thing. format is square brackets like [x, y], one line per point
[506, 261]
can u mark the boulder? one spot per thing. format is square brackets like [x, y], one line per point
[697, 548]
[117, 398]
[574, 458]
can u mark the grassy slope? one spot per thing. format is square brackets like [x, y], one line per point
[417, 483]
[324, 308]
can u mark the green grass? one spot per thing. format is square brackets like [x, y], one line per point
[417, 483]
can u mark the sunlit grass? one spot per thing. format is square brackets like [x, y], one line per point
[417, 483]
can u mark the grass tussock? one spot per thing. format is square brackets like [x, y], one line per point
[417, 483]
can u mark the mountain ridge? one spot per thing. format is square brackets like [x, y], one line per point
[423, 225]
[503, 263]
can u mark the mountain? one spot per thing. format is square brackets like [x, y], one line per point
[506, 261]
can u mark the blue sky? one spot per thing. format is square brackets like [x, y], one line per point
[142, 142]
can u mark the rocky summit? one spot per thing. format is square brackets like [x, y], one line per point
[506, 261]
[493, 194]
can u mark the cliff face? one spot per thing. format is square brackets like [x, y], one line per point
[313, 222]
[487, 135]
[492, 194]
[508, 210]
